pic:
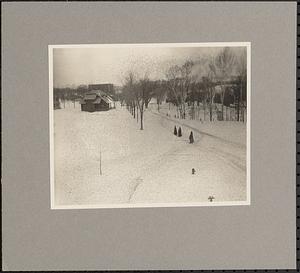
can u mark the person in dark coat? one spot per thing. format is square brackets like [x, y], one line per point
[175, 131]
[179, 132]
[191, 137]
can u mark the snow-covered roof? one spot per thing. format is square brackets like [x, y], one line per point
[98, 100]
[96, 96]
[110, 98]
[105, 99]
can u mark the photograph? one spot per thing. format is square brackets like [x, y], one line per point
[149, 125]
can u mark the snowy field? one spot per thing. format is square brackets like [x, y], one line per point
[145, 166]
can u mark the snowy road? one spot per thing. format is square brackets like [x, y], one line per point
[230, 151]
[148, 166]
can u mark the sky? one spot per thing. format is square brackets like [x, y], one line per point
[75, 66]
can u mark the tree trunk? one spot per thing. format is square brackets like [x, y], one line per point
[238, 110]
[222, 101]
[210, 113]
[222, 115]
[242, 100]
[142, 117]
[194, 113]
[146, 105]
[243, 111]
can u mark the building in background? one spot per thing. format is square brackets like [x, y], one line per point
[108, 88]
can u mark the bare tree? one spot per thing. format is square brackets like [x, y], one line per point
[222, 68]
[159, 92]
[179, 79]
[208, 86]
[172, 84]
[149, 92]
[137, 92]
[185, 82]
[200, 83]
[242, 72]
[129, 87]
[202, 89]
[144, 87]
[209, 94]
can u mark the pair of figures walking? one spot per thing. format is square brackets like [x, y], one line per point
[179, 134]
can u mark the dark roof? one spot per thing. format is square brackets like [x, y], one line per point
[90, 96]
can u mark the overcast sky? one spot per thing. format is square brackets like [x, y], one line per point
[75, 66]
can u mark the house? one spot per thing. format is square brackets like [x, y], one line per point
[96, 100]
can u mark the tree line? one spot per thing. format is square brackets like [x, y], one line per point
[69, 93]
[221, 79]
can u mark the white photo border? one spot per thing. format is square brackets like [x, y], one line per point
[151, 205]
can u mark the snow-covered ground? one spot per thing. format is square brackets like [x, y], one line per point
[145, 166]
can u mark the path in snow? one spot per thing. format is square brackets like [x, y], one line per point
[230, 151]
